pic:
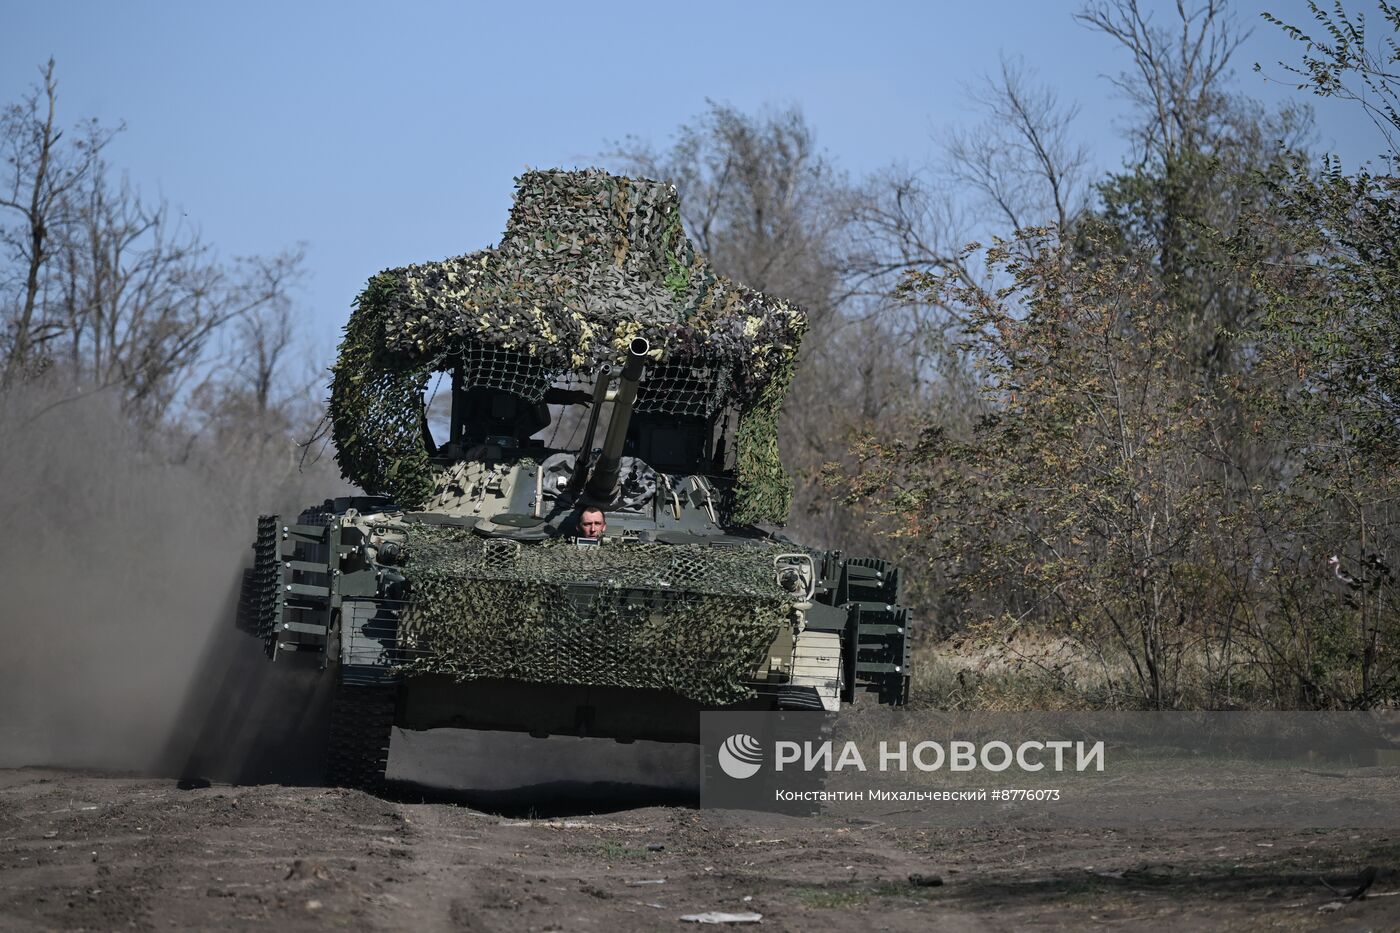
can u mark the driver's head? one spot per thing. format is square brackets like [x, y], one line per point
[591, 523]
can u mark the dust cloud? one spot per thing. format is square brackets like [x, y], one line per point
[119, 563]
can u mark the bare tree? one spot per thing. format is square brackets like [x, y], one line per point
[1022, 160]
[1177, 74]
[42, 176]
[1202, 150]
[115, 290]
[265, 336]
[757, 196]
[902, 220]
[1020, 166]
[143, 295]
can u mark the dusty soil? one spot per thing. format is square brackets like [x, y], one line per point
[94, 850]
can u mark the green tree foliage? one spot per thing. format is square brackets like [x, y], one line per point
[1330, 338]
[1187, 461]
[1332, 314]
[1338, 63]
[1073, 501]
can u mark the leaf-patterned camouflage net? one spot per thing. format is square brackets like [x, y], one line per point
[588, 262]
[693, 619]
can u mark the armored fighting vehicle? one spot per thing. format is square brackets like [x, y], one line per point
[595, 361]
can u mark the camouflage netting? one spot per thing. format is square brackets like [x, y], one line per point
[688, 618]
[588, 262]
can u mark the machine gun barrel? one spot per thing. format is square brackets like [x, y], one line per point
[602, 482]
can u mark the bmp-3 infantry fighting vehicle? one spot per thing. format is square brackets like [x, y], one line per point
[595, 362]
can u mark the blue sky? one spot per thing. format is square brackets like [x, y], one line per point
[379, 135]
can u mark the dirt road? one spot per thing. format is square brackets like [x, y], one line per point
[102, 851]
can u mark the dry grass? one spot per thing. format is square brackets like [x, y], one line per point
[1027, 674]
[1043, 672]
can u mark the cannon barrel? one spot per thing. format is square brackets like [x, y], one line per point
[602, 482]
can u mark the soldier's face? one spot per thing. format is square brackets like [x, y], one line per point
[592, 524]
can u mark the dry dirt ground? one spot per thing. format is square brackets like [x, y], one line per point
[106, 851]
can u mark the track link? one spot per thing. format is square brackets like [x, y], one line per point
[362, 720]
